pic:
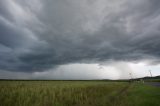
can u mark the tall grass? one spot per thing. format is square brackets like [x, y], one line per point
[75, 93]
[57, 93]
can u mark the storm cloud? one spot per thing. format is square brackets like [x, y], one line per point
[37, 35]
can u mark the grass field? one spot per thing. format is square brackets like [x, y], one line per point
[77, 93]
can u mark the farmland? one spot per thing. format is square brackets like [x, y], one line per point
[77, 93]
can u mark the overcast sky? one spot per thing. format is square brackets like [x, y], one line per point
[79, 39]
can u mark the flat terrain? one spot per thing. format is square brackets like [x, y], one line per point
[78, 93]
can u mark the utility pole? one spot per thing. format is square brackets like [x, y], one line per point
[150, 73]
[131, 77]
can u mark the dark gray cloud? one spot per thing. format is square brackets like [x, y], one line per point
[39, 35]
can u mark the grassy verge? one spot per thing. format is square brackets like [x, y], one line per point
[143, 95]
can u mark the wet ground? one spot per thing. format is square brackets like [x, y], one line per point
[157, 84]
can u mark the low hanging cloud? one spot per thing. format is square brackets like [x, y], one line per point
[39, 35]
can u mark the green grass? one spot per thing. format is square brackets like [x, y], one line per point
[77, 93]
[153, 80]
[143, 95]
